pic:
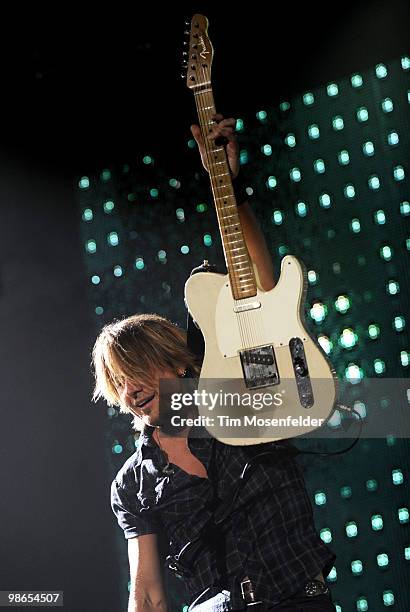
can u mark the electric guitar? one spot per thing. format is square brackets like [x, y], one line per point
[263, 378]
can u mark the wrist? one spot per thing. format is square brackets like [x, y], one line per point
[242, 189]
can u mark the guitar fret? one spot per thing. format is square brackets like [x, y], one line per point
[224, 174]
[229, 195]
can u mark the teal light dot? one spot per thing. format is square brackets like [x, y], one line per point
[377, 522]
[361, 604]
[349, 191]
[99, 310]
[355, 226]
[154, 192]
[117, 449]
[393, 139]
[386, 252]
[346, 492]
[332, 90]
[84, 182]
[118, 271]
[191, 143]
[290, 140]
[324, 200]
[357, 567]
[180, 214]
[356, 80]
[262, 116]
[201, 207]
[277, 217]
[174, 183]
[132, 197]
[338, 123]
[208, 240]
[313, 131]
[332, 575]
[162, 256]
[371, 485]
[139, 263]
[326, 535]
[353, 373]
[403, 514]
[320, 498]
[147, 160]
[392, 287]
[407, 553]
[362, 114]
[301, 209]
[374, 182]
[397, 477]
[380, 217]
[318, 312]
[108, 206]
[95, 279]
[295, 175]
[348, 338]
[388, 598]
[379, 366]
[405, 62]
[284, 106]
[387, 105]
[373, 331]
[87, 214]
[399, 323]
[343, 157]
[125, 168]
[381, 71]
[351, 529]
[113, 239]
[243, 157]
[342, 304]
[105, 175]
[239, 126]
[368, 149]
[184, 249]
[404, 358]
[266, 150]
[312, 277]
[308, 98]
[319, 166]
[272, 182]
[398, 173]
[91, 246]
[326, 344]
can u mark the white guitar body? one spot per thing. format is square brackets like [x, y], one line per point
[269, 319]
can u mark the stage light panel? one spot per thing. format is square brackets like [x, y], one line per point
[87, 215]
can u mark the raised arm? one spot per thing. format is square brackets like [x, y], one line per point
[254, 237]
[147, 592]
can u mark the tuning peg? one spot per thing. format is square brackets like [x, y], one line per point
[187, 22]
[184, 54]
[183, 75]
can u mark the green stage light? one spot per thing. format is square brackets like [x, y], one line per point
[108, 206]
[346, 492]
[399, 323]
[125, 168]
[239, 126]
[386, 253]
[353, 373]
[380, 217]
[162, 256]
[371, 485]
[377, 522]
[262, 116]
[118, 271]
[360, 408]
[308, 98]
[185, 249]
[362, 114]
[148, 160]
[381, 71]
[356, 80]
[349, 191]
[324, 200]
[407, 553]
[266, 150]
[388, 598]
[332, 90]
[379, 366]
[301, 209]
[398, 173]
[325, 343]
[357, 567]
[393, 139]
[277, 217]
[318, 312]
[283, 249]
[387, 105]
[320, 498]
[208, 240]
[374, 182]
[105, 175]
[392, 287]
[95, 279]
[295, 175]
[326, 535]
[403, 514]
[91, 246]
[99, 310]
[355, 226]
[290, 140]
[113, 239]
[243, 157]
[271, 183]
[342, 304]
[404, 358]
[180, 214]
[397, 477]
[343, 158]
[351, 529]
[319, 166]
[312, 277]
[174, 183]
[87, 214]
[139, 263]
[201, 207]
[348, 338]
[313, 131]
[132, 197]
[84, 182]
[338, 123]
[368, 148]
[191, 143]
[284, 106]
[332, 575]
[405, 62]
[154, 193]
[117, 448]
[361, 605]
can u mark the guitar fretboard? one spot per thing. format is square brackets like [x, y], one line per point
[238, 262]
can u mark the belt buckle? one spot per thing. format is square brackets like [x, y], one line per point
[248, 594]
[315, 587]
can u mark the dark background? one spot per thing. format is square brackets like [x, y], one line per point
[81, 91]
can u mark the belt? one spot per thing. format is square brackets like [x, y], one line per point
[310, 589]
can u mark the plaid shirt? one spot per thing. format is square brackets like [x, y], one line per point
[271, 536]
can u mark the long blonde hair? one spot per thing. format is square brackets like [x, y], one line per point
[133, 348]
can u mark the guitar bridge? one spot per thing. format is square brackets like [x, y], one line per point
[259, 367]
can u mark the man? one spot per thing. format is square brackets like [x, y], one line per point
[266, 553]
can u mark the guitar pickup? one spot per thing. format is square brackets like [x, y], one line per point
[259, 367]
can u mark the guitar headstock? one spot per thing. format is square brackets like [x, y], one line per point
[199, 53]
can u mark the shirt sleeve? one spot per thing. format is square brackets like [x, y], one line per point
[127, 510]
